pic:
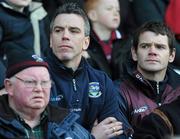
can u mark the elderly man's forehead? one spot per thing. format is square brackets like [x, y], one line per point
[34, 70]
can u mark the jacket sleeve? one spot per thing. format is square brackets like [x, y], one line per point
[112, 108]
[151, 127]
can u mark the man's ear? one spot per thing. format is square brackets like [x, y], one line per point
[134, 54]
[92, 15]
[86, 42]
[8, 86]
[172, 56]
[50, 41]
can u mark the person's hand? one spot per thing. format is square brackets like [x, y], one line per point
[107, 128]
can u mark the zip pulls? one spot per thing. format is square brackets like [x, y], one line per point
[157, 88]
[74, 84]
[158, 93]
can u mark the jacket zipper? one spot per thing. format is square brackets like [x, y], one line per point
[158, 92]
[157, 88]
[74, 84]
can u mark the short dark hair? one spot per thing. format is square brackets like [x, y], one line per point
[72, 8]
[157, 28]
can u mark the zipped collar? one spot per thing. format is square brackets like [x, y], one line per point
[58, 66]
[150, 88]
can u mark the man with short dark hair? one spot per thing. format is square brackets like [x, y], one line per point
[150, 81]
[79, 87]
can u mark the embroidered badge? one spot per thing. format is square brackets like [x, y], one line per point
[94, 90]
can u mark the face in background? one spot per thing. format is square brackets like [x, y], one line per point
[26, 99]
[153, 53]
[19, 4]
[106, 13]
[68, 39]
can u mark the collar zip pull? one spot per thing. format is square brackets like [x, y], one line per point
[157, 88]
[74, 84]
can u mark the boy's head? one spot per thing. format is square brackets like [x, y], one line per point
[19, 4]
[103, 13]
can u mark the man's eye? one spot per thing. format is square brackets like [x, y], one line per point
[75, 31]
[109, 8]
[57, 30]
[29, 82]
[160, 46]
[144, 46]
[44, 82]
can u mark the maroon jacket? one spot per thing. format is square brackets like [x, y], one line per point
[142, 96]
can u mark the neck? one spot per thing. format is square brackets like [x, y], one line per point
[31, 117]
[73, 64]
[33, 122]
[102, 32]
[153, 76]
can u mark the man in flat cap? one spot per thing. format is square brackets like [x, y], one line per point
[25, 112]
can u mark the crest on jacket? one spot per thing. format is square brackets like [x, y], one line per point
[94, 90]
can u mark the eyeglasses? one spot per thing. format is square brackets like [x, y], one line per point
[33, 83]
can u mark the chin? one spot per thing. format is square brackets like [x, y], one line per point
[154, 69]
[39, 105]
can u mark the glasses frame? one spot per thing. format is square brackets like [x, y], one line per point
[34, 83]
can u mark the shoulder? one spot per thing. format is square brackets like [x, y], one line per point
[56, 113]
[96, 73]
[173, 78]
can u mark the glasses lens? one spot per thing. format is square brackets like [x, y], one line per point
[46, 84]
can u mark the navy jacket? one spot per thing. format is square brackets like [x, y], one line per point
[88, 92]
[59, 124]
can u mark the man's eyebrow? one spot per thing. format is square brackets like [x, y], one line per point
[75, 28]
[145, 43]
[152, 43]
[57, 26]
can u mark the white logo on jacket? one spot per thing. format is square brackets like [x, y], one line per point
[141, 109]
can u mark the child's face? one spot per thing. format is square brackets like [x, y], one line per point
[19, 3]
[108, 13]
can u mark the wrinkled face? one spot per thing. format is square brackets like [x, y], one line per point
[153, 53]
[108, 13]
[19, 3]
[67, 38]
[26, 98]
